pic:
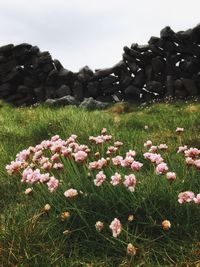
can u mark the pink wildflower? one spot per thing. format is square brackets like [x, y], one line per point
[58, 166]
[55, 157]
[148, 144]
[130, 182]
[115, 179]
[14, 167]
[163, 147]
[104, 131]
[130, 153]
[189, 161]
[118, 144]
[80, 156]
[171, 176]
[116, 227]
[71, 193]
[197, 199]
[182, 149]
[100, 178]
[192, 152]
[136, 166]
[52, 184]
[127, 161]
[117, 160]
[186, 196]
[197, 163]
[161, 168]
[153, 149]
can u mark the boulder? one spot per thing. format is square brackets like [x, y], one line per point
[91, 104]
[63, 101]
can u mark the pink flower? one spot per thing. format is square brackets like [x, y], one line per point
[66, 151]
[28, 191]
[52, 184]
[55, 157]
[163, 147]
[127, 161]
[58, 166]
[71, 193]
[80, 156]
[197, 163]
[153, 157]
[104, 131]
[115, 179]
[148, 144]
[116, 227]
[117, 160]
[98, 165]
[189, 161]
[55, 137]
[47, 165]
[130, 153]
[186, 196]
[161, 168]
[100, 178]
[197, 199]
[153, 149]
[192, 152]
[118, 144]
[136, 166]
[130, 182]
[14, 167]
[182, 149]
[171, 176]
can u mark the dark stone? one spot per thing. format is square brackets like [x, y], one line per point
[158, 64]
[148, 73]
[65, 76]
[39, 93]
[107, 98]
[109, 80]
[85, 74]
[63, 101]
[22, 89]
[58, 65]
[5, 87]
[155, 86]
[111, 89]
[153, 41]
[169, 84]
[62, 91]
[120, 65]
[178, 85]
[180, 93]
[142, 48]
[133, 67]
[93, 88]
[167, 33]
[190, 86]
[6, 48]
[34, 50]
[132, 90]
[139, 79]
[91, 104]
[44, 57]
[78, 90]
[103, 72]
[195, 35]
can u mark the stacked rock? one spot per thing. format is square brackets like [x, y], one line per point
[168, 66]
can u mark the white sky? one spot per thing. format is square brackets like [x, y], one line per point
[91, 32]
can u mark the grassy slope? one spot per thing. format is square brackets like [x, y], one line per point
[30, 241]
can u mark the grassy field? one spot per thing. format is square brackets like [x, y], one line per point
[29, 236]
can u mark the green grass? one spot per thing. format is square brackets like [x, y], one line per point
[28, 237]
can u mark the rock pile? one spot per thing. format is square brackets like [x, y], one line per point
[168, 66]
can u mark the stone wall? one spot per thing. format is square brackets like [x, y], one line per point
[168, 65]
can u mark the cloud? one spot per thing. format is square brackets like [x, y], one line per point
[80, 32]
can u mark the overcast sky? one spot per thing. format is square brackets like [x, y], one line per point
[91, 32]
